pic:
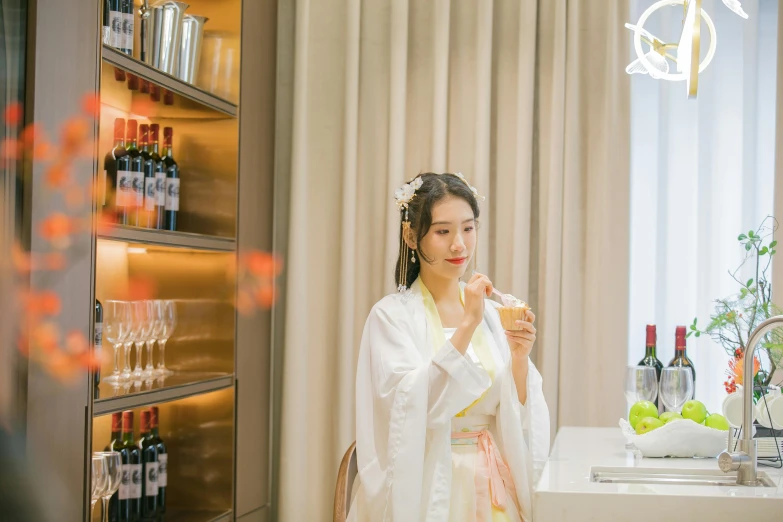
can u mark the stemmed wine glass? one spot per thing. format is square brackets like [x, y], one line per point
[641, 384]
[141, 312]
[156, 328]
[114, 478]
[99, 479]
[676, 387]
[169, 324]
[116, 328]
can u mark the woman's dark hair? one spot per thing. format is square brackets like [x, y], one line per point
[434, 188]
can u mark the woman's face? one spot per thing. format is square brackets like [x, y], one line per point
[451, 239]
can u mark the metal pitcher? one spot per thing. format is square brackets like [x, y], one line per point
[190, 50]
[165, 35]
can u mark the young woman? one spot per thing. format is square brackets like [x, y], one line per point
[451, 420]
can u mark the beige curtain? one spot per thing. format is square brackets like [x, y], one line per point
[529, 100]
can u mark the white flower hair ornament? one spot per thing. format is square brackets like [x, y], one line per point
[471, 187]
[405, 193]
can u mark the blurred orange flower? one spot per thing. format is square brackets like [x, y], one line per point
[31, 135]
[74, 136]
[13, 113]
[57, 176]
[91, 105]
[265, 295]
[106, 222]
[10, 149]
[57, 228]
[263, 265]
[41, 303]
[244, 302]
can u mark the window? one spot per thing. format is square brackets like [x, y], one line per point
[702, 171]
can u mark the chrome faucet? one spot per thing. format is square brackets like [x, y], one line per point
[744, 460]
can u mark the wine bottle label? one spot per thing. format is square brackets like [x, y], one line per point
[151, 479]
[131, 476]
[106, 35]
[160, 189]
[135, 480]
[117, 35]
[128, 31]
[98, 334]
[124, 187]
[172, 194]
[138, 189]
[163, 465]
[149, 194]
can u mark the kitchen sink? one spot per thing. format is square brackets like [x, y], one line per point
[671, 477]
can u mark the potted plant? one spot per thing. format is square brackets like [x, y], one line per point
[736, 316]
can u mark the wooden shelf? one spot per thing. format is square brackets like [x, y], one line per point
[167, 238]
[178, 386]
[175, 85]
[176, 515]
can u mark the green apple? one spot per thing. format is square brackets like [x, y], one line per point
[669, 416]
[695, 411]
[648, 424]
[717, 421]
[641, 410]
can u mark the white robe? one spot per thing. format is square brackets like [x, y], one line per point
[406, 397]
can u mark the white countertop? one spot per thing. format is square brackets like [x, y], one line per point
[565, 493]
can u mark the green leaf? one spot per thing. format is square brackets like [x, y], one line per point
[750, 233]
[763, 251]
[750, 282]
[773, 244]
[688, 334]
[773, 252]
[698, 334]
[741, 237]
[747, 247]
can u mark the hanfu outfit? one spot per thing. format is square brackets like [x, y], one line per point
[441, 436]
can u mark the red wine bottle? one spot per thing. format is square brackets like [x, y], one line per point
[115, 21]
[126, 7]
[116, 438]
[680, 356]
[149, 459]
[137, 171]
[650, 359]
[147, 213]
[112, 164]
[172, 181]
[106, 32]
[130, 487]
[98, 342]
[163, 461]
[160, 177]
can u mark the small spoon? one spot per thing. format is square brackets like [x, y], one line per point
[506, 299]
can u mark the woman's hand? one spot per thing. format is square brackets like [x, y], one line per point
[478, 288]
[521, 341]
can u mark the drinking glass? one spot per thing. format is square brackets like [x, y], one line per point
[141, 312]
[641, 384]
[676, 387]
[158, 307]
[169, 324]
[114, 477]
[116, 327]
[99, 479]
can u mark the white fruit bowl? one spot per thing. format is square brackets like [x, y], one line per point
[679, 438]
